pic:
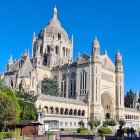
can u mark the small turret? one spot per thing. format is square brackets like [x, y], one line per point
[55, 12]
[118, 62]
[95, 46]
[34, 37]
[118, 58]
[10, 62]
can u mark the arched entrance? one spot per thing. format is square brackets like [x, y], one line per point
[107, 105]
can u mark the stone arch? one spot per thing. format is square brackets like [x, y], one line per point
[66, 111]
[61, 111]
[83, 112]
[46, 109]
[75, 112]
[70, 112]
[79, 112]
[107, 104]
[51, 110]
[57, 110]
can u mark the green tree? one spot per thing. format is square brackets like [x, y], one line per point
[128, 99]
[9, 108]
[109, 122]
[122, 122]
[93, 123]
[27, 105]
[81, 123]
[50, 87]
[2, 84]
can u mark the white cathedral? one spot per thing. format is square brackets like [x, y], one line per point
[90, 87]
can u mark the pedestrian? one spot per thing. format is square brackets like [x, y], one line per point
[131, 130]
[128, 133]
[134, 136]
[120, 133]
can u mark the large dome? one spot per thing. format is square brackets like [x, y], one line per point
[54, 27]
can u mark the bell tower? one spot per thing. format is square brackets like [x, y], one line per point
[95, 80]
[119, 86]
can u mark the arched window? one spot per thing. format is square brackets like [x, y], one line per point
[61, 111]
[79, 112]
[48, 49]
[73, 84]
[83, 113]
[46, 108]
[75, 112]
[63, 85]
[66, 111]
[51, 110]
[57, 110]
[70, 112]
[63, 51]
[83, 82]
[57, 50]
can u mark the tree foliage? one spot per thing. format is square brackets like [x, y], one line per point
[81, 123]
[110, 122]
[122, 122]
[27, 105]
[93, 123]
[9, 108]
[128, 99]
[50, 87]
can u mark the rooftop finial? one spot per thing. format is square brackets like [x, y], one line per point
[105, 52]
[55, 12]
[11, 60]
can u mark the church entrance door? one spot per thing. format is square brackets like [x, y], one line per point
[107, 105]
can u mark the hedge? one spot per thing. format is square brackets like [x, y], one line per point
[83, 130]
[14, 134]
[105, 130]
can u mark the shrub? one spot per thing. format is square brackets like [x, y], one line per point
[62, 129]
[83, 130]
[5, 135]
[125, 129]
[105, 130]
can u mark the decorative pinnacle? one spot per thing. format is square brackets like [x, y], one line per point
[96, 43]
[55, 12]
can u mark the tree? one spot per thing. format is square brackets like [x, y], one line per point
[93, 123]
[50, 87]
[122, 122]
[110, 122]
[81, 123]
[2, 84]
[128, 99]
[9, 108]
[27, 105]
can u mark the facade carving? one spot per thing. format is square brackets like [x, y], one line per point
[92, 79]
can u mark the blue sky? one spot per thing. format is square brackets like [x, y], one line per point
[116, 23]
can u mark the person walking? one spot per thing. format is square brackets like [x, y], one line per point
[133, 136]
[128, 133]
[120, 133]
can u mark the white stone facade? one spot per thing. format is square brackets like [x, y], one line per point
[92, 79]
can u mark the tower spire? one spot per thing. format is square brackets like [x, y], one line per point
[95, 46]
[55, 12]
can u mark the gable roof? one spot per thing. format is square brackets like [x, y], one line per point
[26, 68]
[106, 63]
